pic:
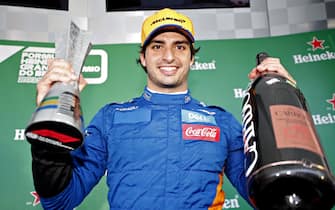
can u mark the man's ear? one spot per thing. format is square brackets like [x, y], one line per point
[192, 60]
[142, 59]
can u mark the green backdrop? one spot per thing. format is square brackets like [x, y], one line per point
[218, 77]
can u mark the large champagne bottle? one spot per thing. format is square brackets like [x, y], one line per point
[286, 167]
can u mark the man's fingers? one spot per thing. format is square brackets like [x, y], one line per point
[253, 74]
[270, 65]
[82, 82]
[58, 71]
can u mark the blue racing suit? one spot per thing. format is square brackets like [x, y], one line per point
[160, 151]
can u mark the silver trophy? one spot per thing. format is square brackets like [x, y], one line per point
[58, 121]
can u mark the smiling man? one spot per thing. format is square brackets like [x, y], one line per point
[162, 150]
[167, 59]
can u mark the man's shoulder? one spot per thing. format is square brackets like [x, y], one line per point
[203, 105]
[124, 104]
[215, 110]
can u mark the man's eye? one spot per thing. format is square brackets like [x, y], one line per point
[181, 47]
[156, 47]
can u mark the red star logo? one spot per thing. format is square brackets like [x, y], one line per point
[316, 44]
[36, 198]
[332, 101]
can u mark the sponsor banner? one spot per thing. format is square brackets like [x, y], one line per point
[217, 77]
[192, 116]
[201, 132]
[33, 63]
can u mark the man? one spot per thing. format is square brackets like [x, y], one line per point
[162, 150]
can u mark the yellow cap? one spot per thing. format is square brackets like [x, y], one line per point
[166, 20]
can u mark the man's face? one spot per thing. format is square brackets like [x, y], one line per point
[167, 60]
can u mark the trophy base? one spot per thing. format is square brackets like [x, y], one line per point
[53, 134]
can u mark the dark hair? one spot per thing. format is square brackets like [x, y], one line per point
[143, 48]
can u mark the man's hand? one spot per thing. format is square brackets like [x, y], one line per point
[58, 71]
[270, 65]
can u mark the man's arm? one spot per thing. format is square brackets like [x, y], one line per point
[52, 170]
[52, 167]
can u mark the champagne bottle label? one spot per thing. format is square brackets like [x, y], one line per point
[293, 128]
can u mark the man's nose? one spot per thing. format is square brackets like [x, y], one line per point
[168, 54]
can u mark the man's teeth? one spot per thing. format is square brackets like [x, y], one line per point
[167, 68]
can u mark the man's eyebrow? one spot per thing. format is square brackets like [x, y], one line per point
[157, 41]
[182, 42]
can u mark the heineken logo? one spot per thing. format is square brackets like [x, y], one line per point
[199, 65]
[319, 52]
[36, 198]
[332, 101]
[326, 118]
[316, 44]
